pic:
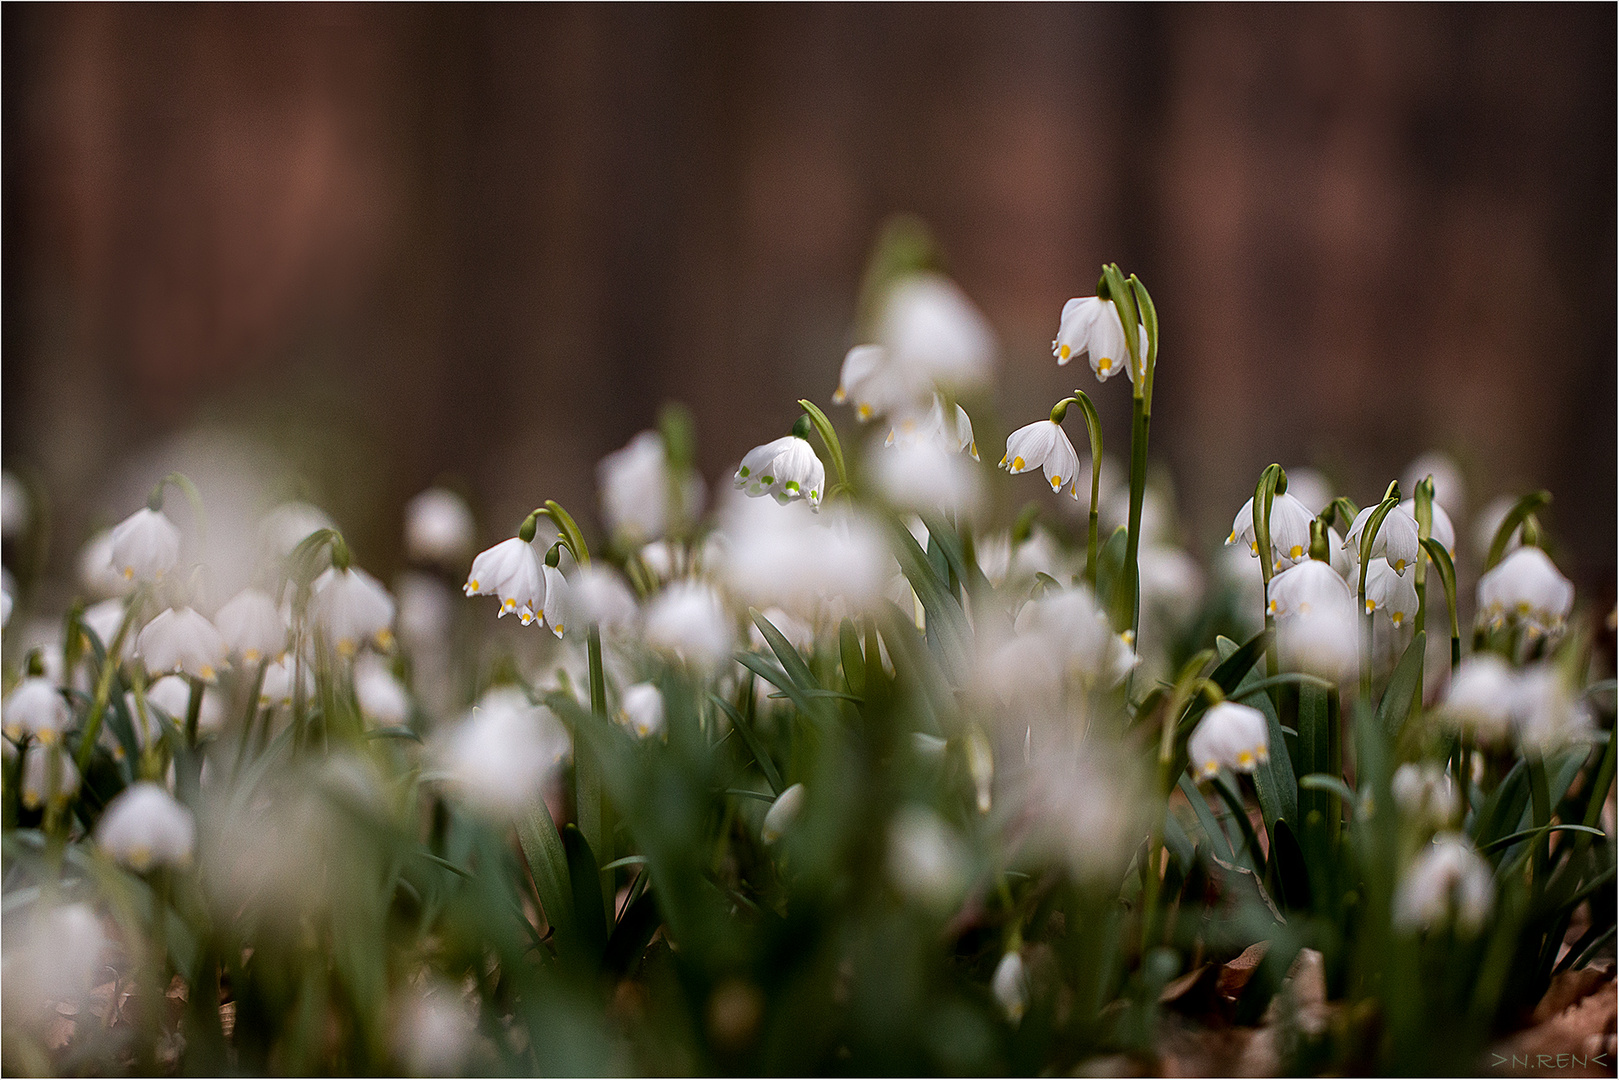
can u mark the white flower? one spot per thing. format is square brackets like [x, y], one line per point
[511, 572]
[925, 858]
[96, 571]
[104, 619]
[860, 364]
[558, 601]
[640, 708]
[688, 620]
[277, 688]
[351, 607]
[755, 475]
[635, 485]
[5, 602]
[172, 694]
[1092, 325]
[1044, 445]
[1448, 880]
[438, 527]
[179, 639]
[1481, 696]
[1547, 713]
[56, 957]
[145, 545]
[788, 557]
[1071, 633]
[289, 524]
[934, 334]
[786, 468]
[498, 759]
[1443, 530]
[923, 475]
[48, 773]
[954, 435]
[1390, 593]
[36, 708]
[1306, 585]
[782, 813]
[436, 1031]
[1323, 641]
[145, 827]
[426, 610]
[1232, 736]
[252, 626]
[1309, 487]
[382, 698]
[660, 558]
[1289, 530]
[1425, 792]
[1526, 587]
[1010, 986]
[1448, 486]
[598, 595]
[1396, 540]
[14, 514]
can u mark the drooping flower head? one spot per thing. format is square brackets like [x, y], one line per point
[1231, 736]
[1397, 539]
[1449, 881]
[36, 708]
[786, 468]
[1043, 445]
[252, 626]
[640, 708]
[144, 827]
[180, 640]
[635, 487]
[1526, 588]
[352, 608]
[145, 545]
[1289, 530]
[438, 527]
[509, 571]
[1091, 326]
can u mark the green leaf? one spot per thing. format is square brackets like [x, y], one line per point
[854, 664]
[1402, 687]
[1315, 756]
[1328, 782]
[745, 729]
[590, 914]
[1525, 834]
[949, 542]
[632, 935]
[774, 675]
[1288, 869]
[548, 864]
[946, 622]
[1447, 577]
[1219, 845]
[1236, 663]
[829, 439]
[1110, 568]
[1509, 524]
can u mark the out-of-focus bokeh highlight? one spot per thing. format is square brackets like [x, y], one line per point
[352, 251]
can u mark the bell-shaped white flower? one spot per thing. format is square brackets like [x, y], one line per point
[351, 608]
[1425, 793]
[1091, 325]
[381, 697]
[509, 571]
[1526, 588]
[640, 708]
[144, 827]
[934, 334]
[252, 625]
[558, 600]
[172, 694]
[755, 475]
[180, 640]
[55, 955]
[1067, 632]
[599, 596]
[439, 527]
[96, 572]
[923, 475]
[1289, 530]
[145, 545]
[1397, 540]
[786, 468]
[498, 759]
[1304, 586]
[1391, 594]
[635, 488]
[859, 365]
[1448, 881]
[1323, 641]
[279, 682]
[953, 433]
[782, 813]
[1010, 986]
[1481, 696]
[788, 557]
[688, 620]
[104, 619]
[1443, 529]
[926, 859]
[1043, 445]
[36, 708]
[1232, 736]
[48, 776]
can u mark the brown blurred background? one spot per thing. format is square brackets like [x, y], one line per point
[398, 244]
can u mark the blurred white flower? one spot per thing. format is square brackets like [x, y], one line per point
[1010, 986]
[96, 571]
[53, 958]
[105, 618]
[786, 468]
[782, 813]
[252, 625]
[640, 708]
[277, 688]
[1547, 713]
[36, 708]
[1425, 793]
[1043, 445]
[924, 475]
[1229, 736]
[5, 602]
[1068, 627]
[145, 545]
[1449, 880]
[1309, 487]
[382, 698]
[439, 527]
[935, 335]
[598, 595]
[926, 859]
[954, 434]
[860, 365]
[435, 1031]
[1084, 798]
[498, 758]
[1323, 641]
[1289, 530]
[1396, 540]
[14, 509]
[688, 620]
[510, 571]
[1448, 486]
[785, 556]
[48, 774]
[426, 610]
[1306, 585]
[289, 524]
[144, 827]
[1526, 588]
[351, 608]
[1092, 325]
[1390, 594]
[1443, 530]
[172, 694]
[635, 487]
[180, 640]
[1481, 696]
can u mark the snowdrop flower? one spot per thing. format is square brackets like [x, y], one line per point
[1448, 880]
[1232, 736]
[786, 468]
[923, 475]
[180, 640]
[251, 624]
[925, 859]
[688, 620]
[1323, 641]
[934, 334]
[635, 485]
[1289, 530]
[436, 1031]
[172, 694]
[1010, 986]
[1396, 540]
[860, 364]
[1482, 692]
[1390, 593]
[144, 827]
[1425, 792]
[145, 545]
[1309, 487]
[1305, 586]
[289, 524]
[1547, 713]
[1068, 627]
[498, 759]
[1043, 445]
[36, 708]
[104, 619]
[640, 708]
[14, 512]
[1443, 530]
[277, 688]
[954, 434]
[57, 957]
[438, 527]
[660, 558]
[351, 607]
[782, 813]
[382, 698]
[96, 572]
[1526, 587]
[1092, 325]
[48, 775]
[599, 596]
[511, 572]
[793, 559]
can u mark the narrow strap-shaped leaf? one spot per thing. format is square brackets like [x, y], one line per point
[792, 661]
[1219, 846]
[1525, 834]
[548, 864]
[945, 617]
[760, 755]
[632, 934]
[949, 542]
[1237, 662]
[1328, 782]
[776, 677]
[589, 911]
[829, 438]
[854, 664]
[1233, 800]
[1402, 687]
[1447, 577]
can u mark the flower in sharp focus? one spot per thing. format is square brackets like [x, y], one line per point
[1396, 540]
[1526, 588]
[1092, 325]
[786, 468]
[1304, 586]
[1391, 594]
[1447, 881]
[688, 620]
[1043, 445]
[1289, 530]
[1010, 986]
[782, 813]
[1232, 736]
[510, 572]
[438, 527]
[555, 611]
[351, 607]
[180, 640]
[48, 775]
[252, 626]
[640, 708]
[144, 827]
[36, 708]
[1480, 698]
[145, 545]
[1425, 793]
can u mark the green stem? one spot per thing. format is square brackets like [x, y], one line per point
[252, 713]
[98, 706]
[1127, 606]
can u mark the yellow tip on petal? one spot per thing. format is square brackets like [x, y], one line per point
[129, 572]
[206, 674]
[1064, 351]
[1104, 365]
[1399, 566]
[1056, 483]
[1017, 464]
[1399, 617]
[863, 411]
[1295, 551]
[557, 629]
[1245, 760]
